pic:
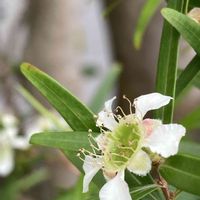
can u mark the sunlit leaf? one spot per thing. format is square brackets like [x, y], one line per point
[77, 115]
[71, 141]
[187, 27]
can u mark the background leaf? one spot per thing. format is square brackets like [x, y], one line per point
[105, 88]
[144, 18]
[191, 121]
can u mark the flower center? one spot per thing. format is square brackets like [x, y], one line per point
[123, 143]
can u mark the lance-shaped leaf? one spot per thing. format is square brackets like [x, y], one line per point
[189, 147]
[187, 27]
[182, 171]
[135, 181]
[76, 114]
[70, 141]
[143, 191]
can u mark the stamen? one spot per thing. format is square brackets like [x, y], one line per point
[91, 143]
[119, 108]
[121, 156]
[90, 163]
[130, 104]
[126, 148]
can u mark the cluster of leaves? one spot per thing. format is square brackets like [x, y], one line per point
[180, 171]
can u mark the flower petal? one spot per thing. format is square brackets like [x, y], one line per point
[165, 139]
[91, 166]
[150, 125]
[115, 189]
[106, 117]
[101, 141]
[6, 159]
[148, 102]
[140, 164]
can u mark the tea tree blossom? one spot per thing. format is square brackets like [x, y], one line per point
[129, 142]
[8, 142]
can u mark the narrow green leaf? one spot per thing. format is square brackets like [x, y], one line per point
[196, 81]
[167, 64]
[188, 75]
[190, 148]
[144, 18]
[187, 27]
[70, 141]
[138, 181]
[143, 191]
[105, 88]
[187, 196]
[182, 171]
[77, 115]
[191, 121]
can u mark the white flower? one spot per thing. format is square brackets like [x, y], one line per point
[8, 142]
[128, 142]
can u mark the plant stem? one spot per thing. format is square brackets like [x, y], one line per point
[161, 182]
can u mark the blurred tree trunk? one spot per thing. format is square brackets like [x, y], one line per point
[138, 66]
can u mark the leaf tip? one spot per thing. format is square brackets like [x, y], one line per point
[164, 11]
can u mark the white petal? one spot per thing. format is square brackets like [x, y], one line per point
[150, 125]
[6, 159]
[115, 189]
[91, 166]
[101, 141]
[165, 139]
[140, 164]
[148, 102]
[106, 117]
[20, 143]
